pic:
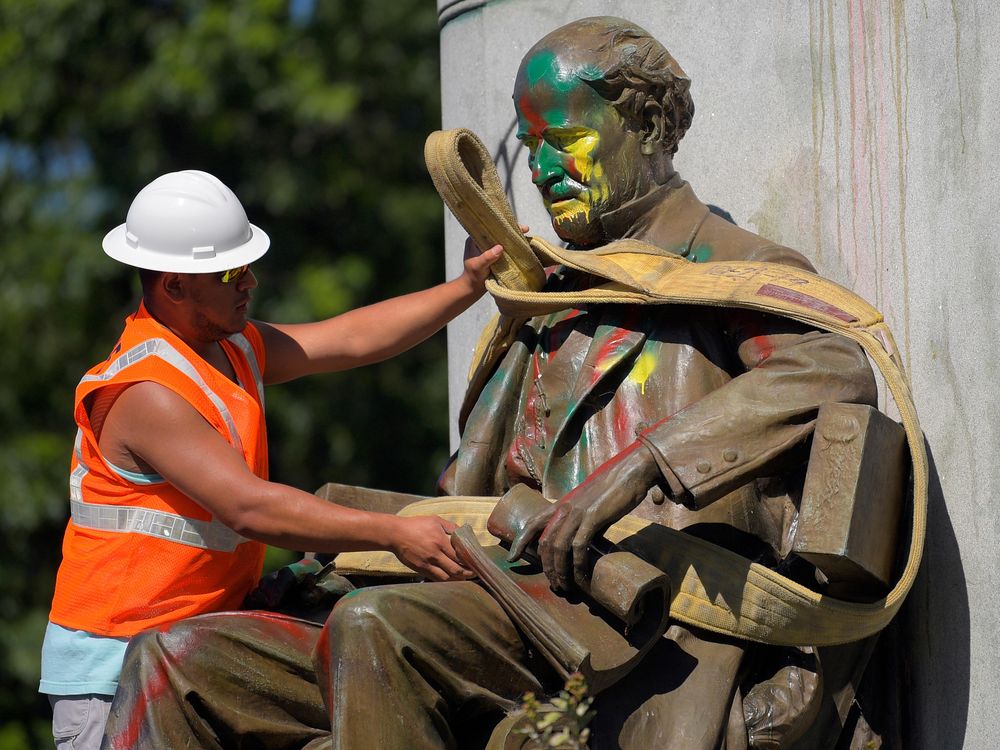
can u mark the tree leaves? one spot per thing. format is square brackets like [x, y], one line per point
[315, 114]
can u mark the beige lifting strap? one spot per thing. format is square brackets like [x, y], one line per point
[718, 590]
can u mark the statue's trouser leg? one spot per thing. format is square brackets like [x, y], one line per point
[843, 668]
[220, 681]
[435, 665]
[681, 695]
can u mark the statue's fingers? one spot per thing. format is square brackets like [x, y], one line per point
[548, 547]
[581, 561]
[561, 555]
[528, 533]
[518, 545]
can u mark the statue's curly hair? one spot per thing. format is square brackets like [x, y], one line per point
[637, 75]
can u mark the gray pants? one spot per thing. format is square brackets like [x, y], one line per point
[78, 720]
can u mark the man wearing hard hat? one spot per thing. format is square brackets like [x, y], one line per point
[170, 503]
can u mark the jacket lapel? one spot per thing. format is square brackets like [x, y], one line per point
[616, 341]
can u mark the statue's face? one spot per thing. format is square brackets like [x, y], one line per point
[583, 161]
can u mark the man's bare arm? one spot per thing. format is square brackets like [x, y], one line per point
[161, 431]
[375, 332]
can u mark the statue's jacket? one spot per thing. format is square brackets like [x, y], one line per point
[722, 397]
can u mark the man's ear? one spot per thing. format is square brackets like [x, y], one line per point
[173, 285]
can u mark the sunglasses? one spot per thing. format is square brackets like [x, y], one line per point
[233, 274]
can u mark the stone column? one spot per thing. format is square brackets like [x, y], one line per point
[862, 133]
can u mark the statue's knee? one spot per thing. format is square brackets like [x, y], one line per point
[361, 612]
[143, 644]
[367, 614]
[184, 639]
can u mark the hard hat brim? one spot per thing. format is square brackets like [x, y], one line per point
[115, 246]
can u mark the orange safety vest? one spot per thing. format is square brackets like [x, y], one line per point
[140, 555]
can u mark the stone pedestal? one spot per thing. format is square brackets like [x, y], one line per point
[863, 134]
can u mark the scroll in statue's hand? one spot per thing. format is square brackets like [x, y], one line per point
[566, 530]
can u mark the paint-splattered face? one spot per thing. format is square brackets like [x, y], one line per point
[583, 161]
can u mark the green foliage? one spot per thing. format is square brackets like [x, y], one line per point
[560, 724]
[315, 114]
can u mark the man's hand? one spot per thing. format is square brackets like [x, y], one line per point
[423, 543]
[568, 527]
[477, 262]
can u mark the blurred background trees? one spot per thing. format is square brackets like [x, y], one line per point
[315, 114]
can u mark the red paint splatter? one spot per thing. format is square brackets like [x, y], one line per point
[608, 348]
[623, 424]
[152, 689]
[760, 345]
[529, 113]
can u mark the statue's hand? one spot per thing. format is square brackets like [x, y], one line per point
[532, 528]
[604, 497]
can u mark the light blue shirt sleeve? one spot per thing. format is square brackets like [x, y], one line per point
[75, 662]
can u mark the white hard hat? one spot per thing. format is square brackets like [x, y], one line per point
[188, 222]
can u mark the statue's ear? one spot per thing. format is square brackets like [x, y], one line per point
[653, 124]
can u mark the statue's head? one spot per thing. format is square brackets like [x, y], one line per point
[601, 107]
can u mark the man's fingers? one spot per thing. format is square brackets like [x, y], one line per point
[489, 257]
[450, 562]
[471, 249]
[435, 573]
[473, 252]
[440, 569]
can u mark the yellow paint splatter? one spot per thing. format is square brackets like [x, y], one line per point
[569, 209]
[580, 145]
[642, 369]
[581, 149]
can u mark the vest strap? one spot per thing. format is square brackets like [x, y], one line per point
[158, 347]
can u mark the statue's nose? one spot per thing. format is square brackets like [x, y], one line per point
[547, 167]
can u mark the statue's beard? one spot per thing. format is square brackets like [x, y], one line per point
[581, 231]
[577, 219]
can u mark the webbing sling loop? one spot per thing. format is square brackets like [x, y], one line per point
[766, 606]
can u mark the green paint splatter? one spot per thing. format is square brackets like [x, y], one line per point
[543, 65]
[700, 254]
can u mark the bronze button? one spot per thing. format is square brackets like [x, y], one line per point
[704, 467]
[730, 455]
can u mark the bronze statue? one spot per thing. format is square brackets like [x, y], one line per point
[695, 418]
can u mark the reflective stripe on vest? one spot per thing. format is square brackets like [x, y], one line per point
[244, 344]
[211, 535]
[160, 348]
